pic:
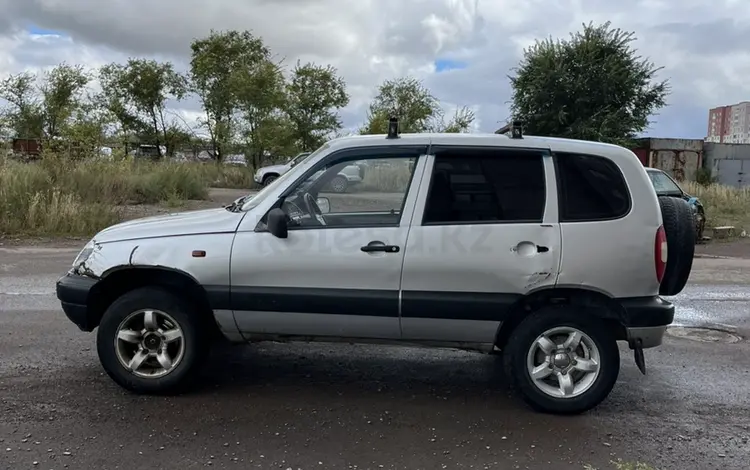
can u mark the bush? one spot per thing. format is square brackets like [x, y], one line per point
[704, 177]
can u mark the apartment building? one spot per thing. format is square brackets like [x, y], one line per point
[729, 124]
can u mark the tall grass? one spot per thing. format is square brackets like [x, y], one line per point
[724, 205]
[56, 196]
[390, 178]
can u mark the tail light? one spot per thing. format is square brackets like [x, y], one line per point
[660, 253]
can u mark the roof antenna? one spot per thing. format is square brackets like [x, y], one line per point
[393, 131]
[516, 129]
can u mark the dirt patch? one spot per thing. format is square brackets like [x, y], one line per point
[736, 248]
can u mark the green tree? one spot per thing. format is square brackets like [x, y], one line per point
[23, 116]
[315, 94]
[593, 86]
[137, 93]
[417, 109]
[409, 99]
[462, 120]
[258, 85]
[61, 96]
[87, 128]
[214, 67]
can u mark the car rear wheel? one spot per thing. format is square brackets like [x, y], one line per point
[562, 362]
[152, 341]
[679, 226]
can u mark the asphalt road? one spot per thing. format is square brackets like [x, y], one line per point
[341, 406]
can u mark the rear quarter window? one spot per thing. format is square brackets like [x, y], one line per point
[590, 188]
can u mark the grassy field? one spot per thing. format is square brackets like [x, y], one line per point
[57, 197]
[724, 205]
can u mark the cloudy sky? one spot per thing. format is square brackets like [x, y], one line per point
[463, 49]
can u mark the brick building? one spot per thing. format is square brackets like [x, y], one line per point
[729, 124]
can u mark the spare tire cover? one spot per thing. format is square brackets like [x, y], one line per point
[679, 225]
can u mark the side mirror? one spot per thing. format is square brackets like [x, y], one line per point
[324, 204]
[277, 223]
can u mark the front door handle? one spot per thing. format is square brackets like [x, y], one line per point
[541, 249]
[376, 246]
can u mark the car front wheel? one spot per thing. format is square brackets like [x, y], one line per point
[561, 361]
[269, 179]
[151, 341]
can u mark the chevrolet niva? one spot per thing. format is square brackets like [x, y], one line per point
[545, 251]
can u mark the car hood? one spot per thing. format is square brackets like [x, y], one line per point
[217, 220]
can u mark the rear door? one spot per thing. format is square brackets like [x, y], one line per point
[484, 234]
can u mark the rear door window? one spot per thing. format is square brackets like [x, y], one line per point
[485, 185]
[591, 188]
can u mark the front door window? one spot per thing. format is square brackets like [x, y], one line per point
[366, 192]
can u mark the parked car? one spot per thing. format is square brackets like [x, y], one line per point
[148, 152]
[668, 187]
[235, 160]
[545, 251]
[265, 175]
[349, 175]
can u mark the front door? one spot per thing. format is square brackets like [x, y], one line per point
[338, 272]
[484, 235]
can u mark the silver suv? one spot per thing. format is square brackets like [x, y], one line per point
[544, 251]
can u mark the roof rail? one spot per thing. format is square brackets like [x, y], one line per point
[515, 128]
[393, 130]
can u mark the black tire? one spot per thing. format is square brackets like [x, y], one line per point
[339, 184]
[194, 325]
[679, 225]
[268, 179]
[523, 338]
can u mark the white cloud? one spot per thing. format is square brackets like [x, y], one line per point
[700, 44]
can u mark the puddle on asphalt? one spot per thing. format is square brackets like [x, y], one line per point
[704, 335]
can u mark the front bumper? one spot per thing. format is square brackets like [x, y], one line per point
[73, 293]
[646, 320]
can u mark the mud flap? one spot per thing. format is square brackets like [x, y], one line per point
[640, 359]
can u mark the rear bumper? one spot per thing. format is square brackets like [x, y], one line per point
[73, 293]
[646, 320]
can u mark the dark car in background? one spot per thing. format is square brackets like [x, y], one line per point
[666, 186]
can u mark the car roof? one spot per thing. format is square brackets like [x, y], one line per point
[557, 144]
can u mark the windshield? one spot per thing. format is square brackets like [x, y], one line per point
[663, 184]
[298, 159]
[263, 193]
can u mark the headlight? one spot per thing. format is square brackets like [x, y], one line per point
[84, 254]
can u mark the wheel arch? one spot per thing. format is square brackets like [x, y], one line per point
[270, 174]
[590, 302]
[122, 279]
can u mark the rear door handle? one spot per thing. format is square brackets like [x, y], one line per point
[374, 247]
[541, 249]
